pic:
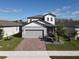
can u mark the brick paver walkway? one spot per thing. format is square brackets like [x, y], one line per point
[31, 44]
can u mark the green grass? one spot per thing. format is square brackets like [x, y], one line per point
[73, 45]
[65, 57]
[9, 45]
[1, 57]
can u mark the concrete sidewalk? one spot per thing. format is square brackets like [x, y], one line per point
[37, 54]
[28, 57]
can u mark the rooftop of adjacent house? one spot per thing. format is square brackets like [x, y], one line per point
[5, 23]
[40, 16]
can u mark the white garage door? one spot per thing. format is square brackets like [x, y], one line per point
[34, 34]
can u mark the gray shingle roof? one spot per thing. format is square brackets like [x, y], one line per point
[44, 23]
[4, 23]
[40, 16]
[36, 17]
[50, 14]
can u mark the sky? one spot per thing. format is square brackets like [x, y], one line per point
[21, 9]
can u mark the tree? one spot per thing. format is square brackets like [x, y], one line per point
[74, 34]
[60, 32]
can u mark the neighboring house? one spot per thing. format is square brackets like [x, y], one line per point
[39, 26]
[9, 27]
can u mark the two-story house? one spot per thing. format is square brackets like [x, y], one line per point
[39, 26]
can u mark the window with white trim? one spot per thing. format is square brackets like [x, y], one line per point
[51, 19]
[47, 19]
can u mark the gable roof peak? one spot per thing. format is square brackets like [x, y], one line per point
[50, 14]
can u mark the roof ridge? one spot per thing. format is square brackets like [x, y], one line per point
[46, 22]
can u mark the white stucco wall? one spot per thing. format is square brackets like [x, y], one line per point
[50, 16]
[29, 20]
[8, 31]
[33, 26]
[34, 19]
[77, 29]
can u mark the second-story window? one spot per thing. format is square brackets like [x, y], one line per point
[51, 19]
[47, 19]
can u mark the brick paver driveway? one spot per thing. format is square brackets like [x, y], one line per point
[31, 44]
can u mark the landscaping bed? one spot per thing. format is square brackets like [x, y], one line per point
[9, 45]
[1, 57]
[68, 45]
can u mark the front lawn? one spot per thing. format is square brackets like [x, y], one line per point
[65, 57]
[2, 57]
[68, 45]
[9, 45]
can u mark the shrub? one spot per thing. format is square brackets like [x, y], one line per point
[8, 38]
[1, 33]
[17, 35]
